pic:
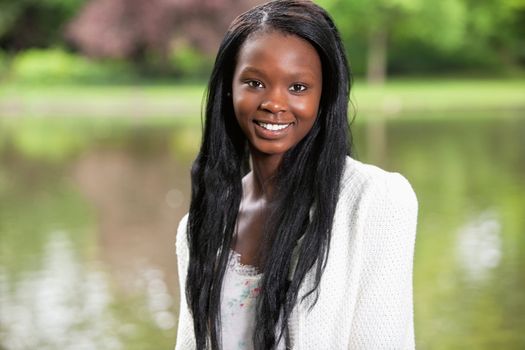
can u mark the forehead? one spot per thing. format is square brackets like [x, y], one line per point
[278, 52]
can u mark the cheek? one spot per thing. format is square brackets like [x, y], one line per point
[306, 109]
[243, 107]
[239, 109]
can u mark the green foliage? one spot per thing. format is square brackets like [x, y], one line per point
[439, 24]
[432, 36]
[187, 61]
[55, 142]
[8, 14]
[185, 142]
[423, 37]
[57, 65]
[4, 64]
[44, 18]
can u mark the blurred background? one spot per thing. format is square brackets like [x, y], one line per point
[100, 105]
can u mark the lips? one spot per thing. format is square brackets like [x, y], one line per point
[271, 130]
[272, 126]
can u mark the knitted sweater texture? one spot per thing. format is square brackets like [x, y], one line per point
[365, 296]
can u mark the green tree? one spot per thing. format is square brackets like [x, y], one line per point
[34, 23]
[380, 21]
[476, 29]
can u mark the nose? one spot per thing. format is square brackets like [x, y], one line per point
[274, 102]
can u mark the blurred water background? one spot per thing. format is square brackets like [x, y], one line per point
[100, 106]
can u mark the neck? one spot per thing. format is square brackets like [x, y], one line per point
[264, 169]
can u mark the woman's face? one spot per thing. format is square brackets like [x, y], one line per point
[276, 89]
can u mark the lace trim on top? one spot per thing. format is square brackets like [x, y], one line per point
[234, 264]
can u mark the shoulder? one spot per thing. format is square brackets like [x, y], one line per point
[374, 189]
[381, 209]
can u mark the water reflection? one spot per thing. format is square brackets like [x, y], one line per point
[87, 230]
[138, 201]
[158, 300]
[63, 305]
[87, 247]
[68, 304]
[479, 245]
[175, 198]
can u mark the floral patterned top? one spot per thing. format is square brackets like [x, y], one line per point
[239, 295]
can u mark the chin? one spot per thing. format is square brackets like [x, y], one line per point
[271, 150]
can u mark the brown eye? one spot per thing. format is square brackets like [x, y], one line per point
[255, 84]
[297, 88]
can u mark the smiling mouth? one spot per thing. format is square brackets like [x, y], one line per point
[271, 126]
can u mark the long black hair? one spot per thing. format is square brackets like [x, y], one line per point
[307, 181]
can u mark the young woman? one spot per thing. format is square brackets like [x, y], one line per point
[290, 242]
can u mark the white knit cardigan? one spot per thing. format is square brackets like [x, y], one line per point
[365, 296]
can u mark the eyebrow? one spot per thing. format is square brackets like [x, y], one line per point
[293, 75]
[250, 69]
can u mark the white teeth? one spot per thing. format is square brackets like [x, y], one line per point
[273, 127]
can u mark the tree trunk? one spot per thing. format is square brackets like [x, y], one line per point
[376, 75]
[377, 56]
[376, 141]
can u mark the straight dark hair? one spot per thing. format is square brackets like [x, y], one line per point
[307, 182]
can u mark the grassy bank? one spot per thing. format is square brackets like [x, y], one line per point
[397, 97]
